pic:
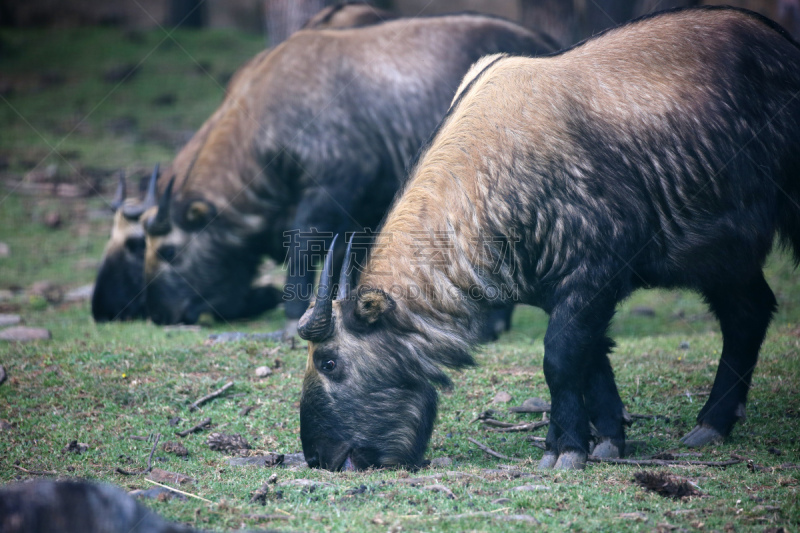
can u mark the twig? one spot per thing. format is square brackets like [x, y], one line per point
[660, 462]
[246, 410]
[149, 461]
[513, 428]
[266, 517]
[216, 393]
[636, 416]
[490, 451]
[36, 472]
[198, 427]
[179, 491]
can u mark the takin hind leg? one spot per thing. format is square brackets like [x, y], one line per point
[744, 312]
[605, 408]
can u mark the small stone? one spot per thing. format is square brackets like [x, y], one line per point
[441, 461]
[5, 251]
[3, 374]
[9, 320]
[502, 397]
[272, 459]
[532, 405]
[52, 220]
[684, 345]
[47, 290]
[263, 371]
[637, 516]
[24, 334]
[164, 476]
[80, 294]
[531, 488]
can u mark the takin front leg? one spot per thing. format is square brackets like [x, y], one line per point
[577, 325]
[744, 312]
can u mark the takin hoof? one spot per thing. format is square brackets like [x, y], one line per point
[571, 461]
[548, 461]
[701, 435]
[607, 450]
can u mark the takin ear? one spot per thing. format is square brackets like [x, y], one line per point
[371, 304]
[198, 213]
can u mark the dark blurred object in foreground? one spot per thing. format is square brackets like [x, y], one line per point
[76, 506]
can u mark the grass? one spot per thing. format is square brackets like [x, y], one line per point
[102, 384]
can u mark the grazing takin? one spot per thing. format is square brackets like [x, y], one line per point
[665, 152]
[316, 134]
[119, 288]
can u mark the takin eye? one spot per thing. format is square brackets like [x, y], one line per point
[328, 365]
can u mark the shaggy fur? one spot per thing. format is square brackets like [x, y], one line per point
[665, 152]
[316, 133]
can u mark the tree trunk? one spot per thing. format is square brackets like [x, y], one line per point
[284, 17]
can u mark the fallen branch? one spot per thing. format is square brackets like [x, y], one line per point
[661, 462]
[513, 428]
[490, 451]
[149, 461]
[198, 427]
[215, 394]
[35, 472]
[266, 517]
[179, 491]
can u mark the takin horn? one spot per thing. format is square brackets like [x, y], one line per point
[122, 192]
[319, 324]
[161, 223]
[343, 277]
[133, 212]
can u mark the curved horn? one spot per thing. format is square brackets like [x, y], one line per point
[319, 324]
[344, 279]
[122, 192]
[133, 212]
[150, 197]
[161, 223]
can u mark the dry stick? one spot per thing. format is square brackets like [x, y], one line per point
[35, 472]
[490, 451]
[204, 399]
[179, 491]
[266, 517]
[198, 427]
[149, 461]
[660, 462]
[513, 428]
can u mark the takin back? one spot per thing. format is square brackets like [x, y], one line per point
[317, 134]
[663, 153]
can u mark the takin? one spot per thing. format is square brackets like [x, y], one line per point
[313, 139]
[119, 288]
[662, 153]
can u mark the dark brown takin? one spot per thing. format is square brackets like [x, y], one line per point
[665, 152]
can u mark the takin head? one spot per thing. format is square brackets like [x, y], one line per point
[196, 262]
[362, 366]
[119, 289]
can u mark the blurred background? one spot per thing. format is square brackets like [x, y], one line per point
[567, 20]
[90, 88]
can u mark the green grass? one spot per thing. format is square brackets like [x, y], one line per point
[101, 384]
